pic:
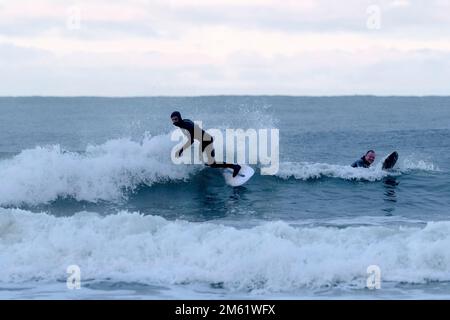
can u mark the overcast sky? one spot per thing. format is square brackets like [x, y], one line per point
[198, 47]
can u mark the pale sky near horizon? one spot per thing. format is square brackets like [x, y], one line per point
[207, 47]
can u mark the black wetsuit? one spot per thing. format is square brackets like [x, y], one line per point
[194, 132]
[361, 163]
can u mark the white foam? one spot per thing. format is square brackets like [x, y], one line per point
[102, 172]
[307, 170]
[272, 257]
[410, 164]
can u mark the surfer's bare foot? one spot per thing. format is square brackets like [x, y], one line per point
[236, 170]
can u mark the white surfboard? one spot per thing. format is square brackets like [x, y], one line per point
[242, 177]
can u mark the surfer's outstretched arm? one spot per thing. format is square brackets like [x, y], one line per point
[184, 147]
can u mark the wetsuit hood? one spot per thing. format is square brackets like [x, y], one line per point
[178, 115]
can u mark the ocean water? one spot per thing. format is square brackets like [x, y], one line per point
[89, 182]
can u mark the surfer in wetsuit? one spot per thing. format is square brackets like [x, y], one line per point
[194, 132]
[365, 160]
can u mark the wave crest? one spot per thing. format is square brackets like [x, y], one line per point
[102, 172]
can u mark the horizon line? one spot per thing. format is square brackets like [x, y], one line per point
[228, 95]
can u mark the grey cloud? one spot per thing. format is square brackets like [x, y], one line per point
[411, 73]
[329, 16]
[89, 29]
[421, 18]
[12, 54]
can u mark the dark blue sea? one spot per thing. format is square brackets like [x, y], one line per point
[89, 182]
